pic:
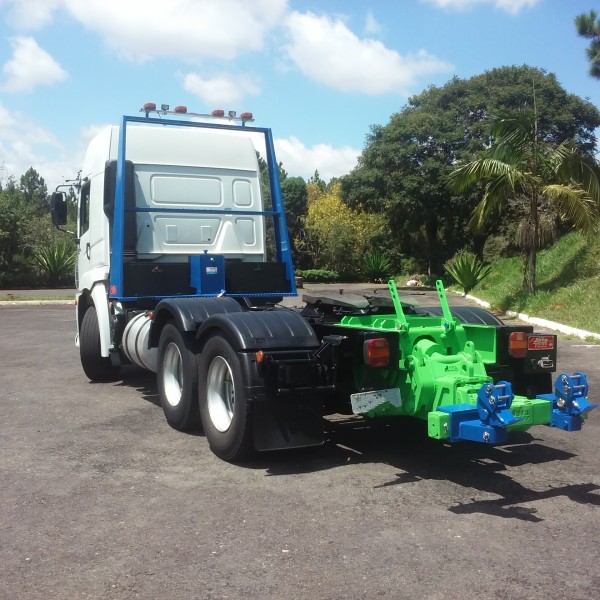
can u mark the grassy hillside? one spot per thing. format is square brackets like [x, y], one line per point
[568, 282]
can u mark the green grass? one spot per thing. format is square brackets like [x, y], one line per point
[18, 298]
[568, 284]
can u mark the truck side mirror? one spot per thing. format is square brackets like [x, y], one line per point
[58, 208]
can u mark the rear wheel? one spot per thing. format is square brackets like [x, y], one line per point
[95, 366]
[224, 407]
[177, 378]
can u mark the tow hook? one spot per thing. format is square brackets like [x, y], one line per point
[570, 402]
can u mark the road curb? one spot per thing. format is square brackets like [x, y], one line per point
[37, 302]
[581, 333]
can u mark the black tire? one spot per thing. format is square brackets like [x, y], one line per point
[177, 377]
[224, 408]
[95, 366]
[469, 315]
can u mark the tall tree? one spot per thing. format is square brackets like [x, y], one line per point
[403, 169]
[522, 165]
[34, 188]
[295, 202]
[588, 26]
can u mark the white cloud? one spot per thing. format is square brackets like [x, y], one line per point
[327, 51]
[372, 26]
[30, 67]
[510, 6]
[298, 160]
[186, 29]
[144, 29]
[25, 144]
[222, 91]
[30, 14]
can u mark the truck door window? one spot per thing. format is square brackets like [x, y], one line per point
[84, 209]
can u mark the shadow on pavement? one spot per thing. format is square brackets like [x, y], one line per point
[404, 445]
[407, 447]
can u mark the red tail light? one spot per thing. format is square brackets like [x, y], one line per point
[376, 352]
[517, 344]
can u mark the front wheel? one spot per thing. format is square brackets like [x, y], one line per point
[95, 366]
[177, 378]
[224, 407]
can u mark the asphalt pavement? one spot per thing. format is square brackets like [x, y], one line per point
[101, 499]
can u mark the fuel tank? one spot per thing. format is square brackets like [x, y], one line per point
[135, 343]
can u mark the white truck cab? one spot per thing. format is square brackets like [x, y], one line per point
[175, 274]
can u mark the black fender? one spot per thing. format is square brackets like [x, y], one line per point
[285, 413]
[472, 315]
[262, 330]
[189, 313]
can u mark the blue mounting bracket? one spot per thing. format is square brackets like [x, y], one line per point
[569, 401]
[465, 425]
[485, 422]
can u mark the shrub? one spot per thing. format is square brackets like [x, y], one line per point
[376, 266]
[467, 270]
[318, 275]
[56, 260]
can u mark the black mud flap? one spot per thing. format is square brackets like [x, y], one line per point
[288, 422]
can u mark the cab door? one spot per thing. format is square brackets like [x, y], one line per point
[94, 235]
[84, 252]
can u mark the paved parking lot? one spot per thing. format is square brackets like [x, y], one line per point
[102, 499]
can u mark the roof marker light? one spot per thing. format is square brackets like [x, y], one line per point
[246, 116]
[180, 109]
[218, 112]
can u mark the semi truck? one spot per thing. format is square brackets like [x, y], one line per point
[183, 263]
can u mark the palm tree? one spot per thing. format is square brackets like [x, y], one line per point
[520, 165]
[588, 26]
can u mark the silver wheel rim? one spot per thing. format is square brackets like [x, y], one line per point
[173, 374]
[220, 393]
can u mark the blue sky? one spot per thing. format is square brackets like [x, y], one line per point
[319, 73]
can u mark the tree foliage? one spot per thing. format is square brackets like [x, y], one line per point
[295, 202]
[562, 181]
[588, 26]
[337, 235]
[26, 230]
[403, 169]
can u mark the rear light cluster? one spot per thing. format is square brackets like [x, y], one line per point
[517, 344]
[376, 352]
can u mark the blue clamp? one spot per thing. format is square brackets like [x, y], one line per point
[494, 402]
[569, 401]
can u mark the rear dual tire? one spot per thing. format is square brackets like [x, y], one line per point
[206, 388]
[177, 378]
[224, 407]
